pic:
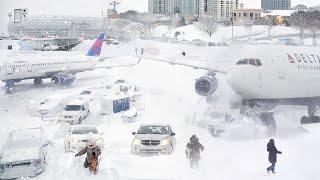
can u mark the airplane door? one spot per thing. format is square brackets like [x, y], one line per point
[280, 67]
[9, 70]
[29, 68]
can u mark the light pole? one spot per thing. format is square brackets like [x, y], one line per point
[232, 29]
[114, 4]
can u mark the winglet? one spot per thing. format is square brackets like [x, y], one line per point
[95, 49]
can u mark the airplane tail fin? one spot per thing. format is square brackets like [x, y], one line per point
[95, 49]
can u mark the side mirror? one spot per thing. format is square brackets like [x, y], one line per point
[134, 133]
[173, 134]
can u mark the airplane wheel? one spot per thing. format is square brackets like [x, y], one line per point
[37, 81]
[305, 120]
[309, 120]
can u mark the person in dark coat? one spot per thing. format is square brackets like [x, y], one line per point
[273, 151]
[193, 150]
[91, 150]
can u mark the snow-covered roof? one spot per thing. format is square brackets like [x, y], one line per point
[155, 124]
[77, 101]
[20, 154]
[280, 13]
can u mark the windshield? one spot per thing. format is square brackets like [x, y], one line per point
[72, 108]
[153, 130]
[85, 93]
[85, 131]
[24, 143]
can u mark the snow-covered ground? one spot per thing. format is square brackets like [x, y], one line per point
[256, 34]
[169, 98]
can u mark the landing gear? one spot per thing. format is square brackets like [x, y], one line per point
[268, 120]
[9, 87]
[37, 81]
[312, 118]
[250, 109]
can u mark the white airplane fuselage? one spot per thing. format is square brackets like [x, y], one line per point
[19, 66]
[289, 73]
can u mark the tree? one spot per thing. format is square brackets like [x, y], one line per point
[299, 21]
[300, 7]
[208, 24]
[313, 25]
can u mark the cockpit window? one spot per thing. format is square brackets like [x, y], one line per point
[242, 61]
[254, 62]
[258, 62]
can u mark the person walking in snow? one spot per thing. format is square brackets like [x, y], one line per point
[92, 151]
[273, 151]
[193, 150]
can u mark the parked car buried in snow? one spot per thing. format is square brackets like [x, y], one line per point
[92, 94]
[79, 136]
[153, 138]
[24, 154]
[75, 111]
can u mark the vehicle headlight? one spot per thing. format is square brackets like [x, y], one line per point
[74, 140]
[74, 116]
[61, 116]
[136, 141]
[165, 141]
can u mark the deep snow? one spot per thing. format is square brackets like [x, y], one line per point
[169, 97]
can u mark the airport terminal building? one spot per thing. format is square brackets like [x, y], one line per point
[56, 26]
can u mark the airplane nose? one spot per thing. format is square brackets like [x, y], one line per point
[236, 79]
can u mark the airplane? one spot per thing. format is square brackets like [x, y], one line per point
[60, 67]
[266, 77]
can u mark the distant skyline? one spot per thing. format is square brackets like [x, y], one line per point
[91, 7]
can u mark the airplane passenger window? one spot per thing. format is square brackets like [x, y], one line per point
[242, 61]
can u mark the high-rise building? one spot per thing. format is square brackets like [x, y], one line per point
[275, 4]
[161, 6]
[224, 8]
[206, 7]
[189, 8]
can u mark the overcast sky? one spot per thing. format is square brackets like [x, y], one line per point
[90, 7]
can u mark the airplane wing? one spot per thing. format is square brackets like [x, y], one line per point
[113, 65]
[187, 65]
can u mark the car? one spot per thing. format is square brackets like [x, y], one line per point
[92, 93]
[24, 154]
[51, 106]
[115, 42]
[153, 138]
[79, 136]
[130, 115]
[75, 111]
[199, 42]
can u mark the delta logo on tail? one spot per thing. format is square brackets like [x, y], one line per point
[95, 50]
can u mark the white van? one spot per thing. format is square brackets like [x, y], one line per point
[75, 111]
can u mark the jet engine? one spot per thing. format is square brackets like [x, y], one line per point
[63, 79]
[206, 85]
